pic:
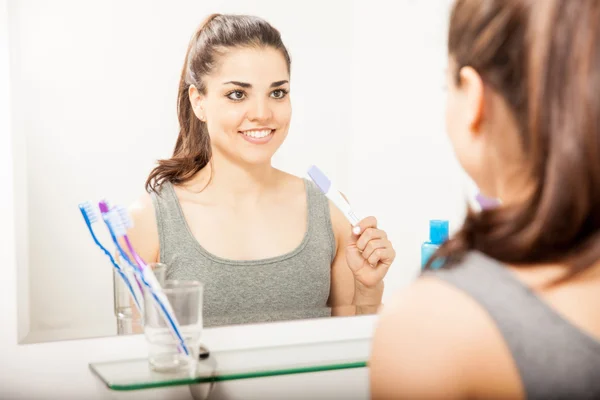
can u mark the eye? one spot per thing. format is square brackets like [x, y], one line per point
[236, 95]
[279, 93]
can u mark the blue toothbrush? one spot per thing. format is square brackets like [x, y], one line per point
[91, 216]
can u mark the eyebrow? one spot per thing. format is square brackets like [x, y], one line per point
[278, 83]
[247, 85]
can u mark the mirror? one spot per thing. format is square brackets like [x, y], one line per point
[93, 105]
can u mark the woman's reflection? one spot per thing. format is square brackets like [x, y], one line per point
[217, 211]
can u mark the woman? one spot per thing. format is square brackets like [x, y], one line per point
[515, 312]
[265, 243]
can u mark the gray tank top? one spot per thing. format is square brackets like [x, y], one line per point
[292, 285]
[555, 359]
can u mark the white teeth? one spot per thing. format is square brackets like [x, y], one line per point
[258, 134]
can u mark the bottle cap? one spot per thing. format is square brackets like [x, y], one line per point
[438, 231]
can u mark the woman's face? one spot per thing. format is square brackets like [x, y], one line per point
[246, 105]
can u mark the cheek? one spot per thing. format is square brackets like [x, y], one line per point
[226, 118]
[282, 113]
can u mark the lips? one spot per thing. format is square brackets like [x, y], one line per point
[258, 136]
[257, 133]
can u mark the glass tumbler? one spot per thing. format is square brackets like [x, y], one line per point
[128, 319]
[185, 298]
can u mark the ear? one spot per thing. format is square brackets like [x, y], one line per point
[473, 89]
[197, 102]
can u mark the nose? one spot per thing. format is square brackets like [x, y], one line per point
[260, 110]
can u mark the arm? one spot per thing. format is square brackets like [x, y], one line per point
[342, 278]
[359, 265]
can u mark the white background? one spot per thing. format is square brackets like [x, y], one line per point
[91, 105]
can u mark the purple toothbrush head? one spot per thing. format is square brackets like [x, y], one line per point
[319, 178]
[486, 203]
[103, 205]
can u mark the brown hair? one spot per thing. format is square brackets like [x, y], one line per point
[217, 33]
[543, 59]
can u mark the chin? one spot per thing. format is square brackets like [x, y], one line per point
[256, 158]
[259, 154]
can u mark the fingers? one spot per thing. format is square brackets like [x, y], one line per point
[373, 245]
[369, 235]
[369, 222]
[382, 255]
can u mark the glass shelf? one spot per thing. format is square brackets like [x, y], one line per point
[239, 364]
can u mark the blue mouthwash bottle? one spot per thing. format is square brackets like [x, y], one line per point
[438, 233]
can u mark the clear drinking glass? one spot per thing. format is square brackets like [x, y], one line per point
[186, 301]
[128, 319]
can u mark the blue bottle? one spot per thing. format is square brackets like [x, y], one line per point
[438, 233]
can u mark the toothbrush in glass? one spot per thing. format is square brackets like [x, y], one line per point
[105, 211]
[325, 185]
[118, 221]
[90, 216]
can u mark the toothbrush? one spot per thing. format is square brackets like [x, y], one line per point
[486, 203]
[104, 207]
[118, 221]
[90, 216]
[324, 184]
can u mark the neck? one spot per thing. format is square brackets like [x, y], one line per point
[515, 189]
[233, 182]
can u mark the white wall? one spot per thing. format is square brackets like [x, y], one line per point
[402, 168]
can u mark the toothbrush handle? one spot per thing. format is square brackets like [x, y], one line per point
[112, 260]
[161, 301]
[341, 203]
[135, 255]
[130, 288]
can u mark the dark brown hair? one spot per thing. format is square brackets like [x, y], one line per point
[217, 33]
[543, 59]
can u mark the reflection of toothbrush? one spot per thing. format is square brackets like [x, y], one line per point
[90, 215]
[104, 209]
[486, 203]
[323, 182]
[106, 213]
[118, 221]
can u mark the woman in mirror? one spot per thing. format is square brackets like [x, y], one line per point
[218, 212]
[514, 312]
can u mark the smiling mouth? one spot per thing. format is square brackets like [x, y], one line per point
[257, 133]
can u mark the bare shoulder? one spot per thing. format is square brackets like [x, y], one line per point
[291, 189]
[340, 225]
[142, 210]
[290, 182]
[144, 234]
[433, 340]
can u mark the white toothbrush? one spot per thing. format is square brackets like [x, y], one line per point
[325, 185]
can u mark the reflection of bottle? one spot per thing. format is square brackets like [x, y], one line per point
[438, 233]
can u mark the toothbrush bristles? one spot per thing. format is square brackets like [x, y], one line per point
[90, 211]
[319, 178]
[125, 218]
[103, 206]
[115, 222]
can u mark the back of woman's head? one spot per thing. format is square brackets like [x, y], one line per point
[213, 38]
[543, 59]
